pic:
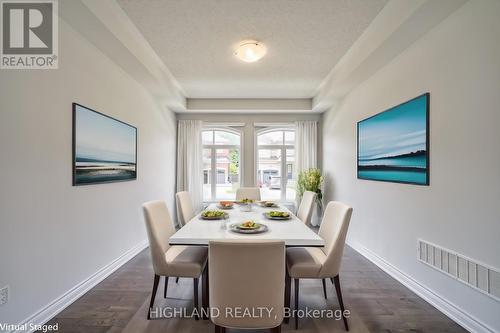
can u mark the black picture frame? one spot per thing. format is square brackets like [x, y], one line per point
[427, 139]
[73, 158]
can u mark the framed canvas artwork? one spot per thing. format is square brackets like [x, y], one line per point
[393, 146]
[104, 148]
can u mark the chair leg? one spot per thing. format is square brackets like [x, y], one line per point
[195, 296]
[166, 287]
[205, 303]
[153, 294]
[324, 287]
[288, 287]
[296, 303]
[331, 279]
[177, 280]
[341, 302]
[220, 329]
[276, 329]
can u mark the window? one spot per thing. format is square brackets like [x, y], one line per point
[221, 164]
[275, 164]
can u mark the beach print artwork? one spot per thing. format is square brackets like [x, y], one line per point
[393, 146]
[104, 148]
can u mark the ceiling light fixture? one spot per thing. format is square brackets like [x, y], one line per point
[250, 51]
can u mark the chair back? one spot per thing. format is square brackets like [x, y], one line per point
[159, 227]
[249, 275]
[248, 193]
[333, 230]
[185, 210]
[306, 207]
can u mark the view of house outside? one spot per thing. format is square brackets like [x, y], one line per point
[222, 150]
[276, 156]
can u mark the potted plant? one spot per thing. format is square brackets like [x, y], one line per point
[311, 180]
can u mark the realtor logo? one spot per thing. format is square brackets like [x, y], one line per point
[29, 34]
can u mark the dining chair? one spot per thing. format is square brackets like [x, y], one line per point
[185, 210]
[247, 275]
[324, 262]
[248, 193]
[306, 207]
[175, 261]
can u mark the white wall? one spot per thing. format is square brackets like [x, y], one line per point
[248, 132]
[54, 235]
[458, 62]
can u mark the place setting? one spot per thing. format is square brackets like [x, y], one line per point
[277, 215]
[268, 204]
[245, 204]
[225, 204]
[248, 227]
[213, 214]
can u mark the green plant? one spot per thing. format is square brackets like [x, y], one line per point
[311, 180]
[234, 157]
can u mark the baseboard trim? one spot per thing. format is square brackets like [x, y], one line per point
[450, 310]
[52, 309]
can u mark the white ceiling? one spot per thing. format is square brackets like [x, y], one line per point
[305, 40]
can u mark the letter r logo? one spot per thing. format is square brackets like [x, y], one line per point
[27, 27]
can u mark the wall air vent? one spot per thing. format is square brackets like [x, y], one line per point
[473, 273]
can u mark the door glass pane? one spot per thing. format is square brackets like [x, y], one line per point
[207, 169]
[207, 137]
[226, 138]
[271, 138]
[289, 137]
[290, 175]
[269, 173]
[228, 173]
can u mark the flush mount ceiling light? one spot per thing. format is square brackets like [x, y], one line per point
[250, 51]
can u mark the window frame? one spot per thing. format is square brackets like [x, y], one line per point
[213, 157]
[283, 148]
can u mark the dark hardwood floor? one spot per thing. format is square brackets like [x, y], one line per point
[378, 303]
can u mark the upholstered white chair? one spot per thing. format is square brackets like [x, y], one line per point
[321, 263]
[185, 210]
[248, 193]
[183, 261]
[248, 275]
[306, 207]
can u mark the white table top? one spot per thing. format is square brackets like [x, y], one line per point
[199, 232]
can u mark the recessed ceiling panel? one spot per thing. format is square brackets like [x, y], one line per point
[196, 40]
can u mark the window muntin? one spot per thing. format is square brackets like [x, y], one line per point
[289, 138]
[207, 137]
[226, 138]
[221, 164]
[269, 173]
[207, 173]
[228, 173]
[276, 157]
[290, 175]
[270, 138]
[220, 137]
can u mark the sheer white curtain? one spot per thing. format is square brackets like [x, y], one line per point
[306, 151]
[306, 145]
[189, 160]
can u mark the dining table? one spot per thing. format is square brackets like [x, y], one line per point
[199, 232]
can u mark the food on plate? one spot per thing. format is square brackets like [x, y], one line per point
[226, 204]
[248, 225]
[276, 213]
[213, 213]
[245, 201]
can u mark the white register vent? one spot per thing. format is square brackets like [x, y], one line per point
[473, 273]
